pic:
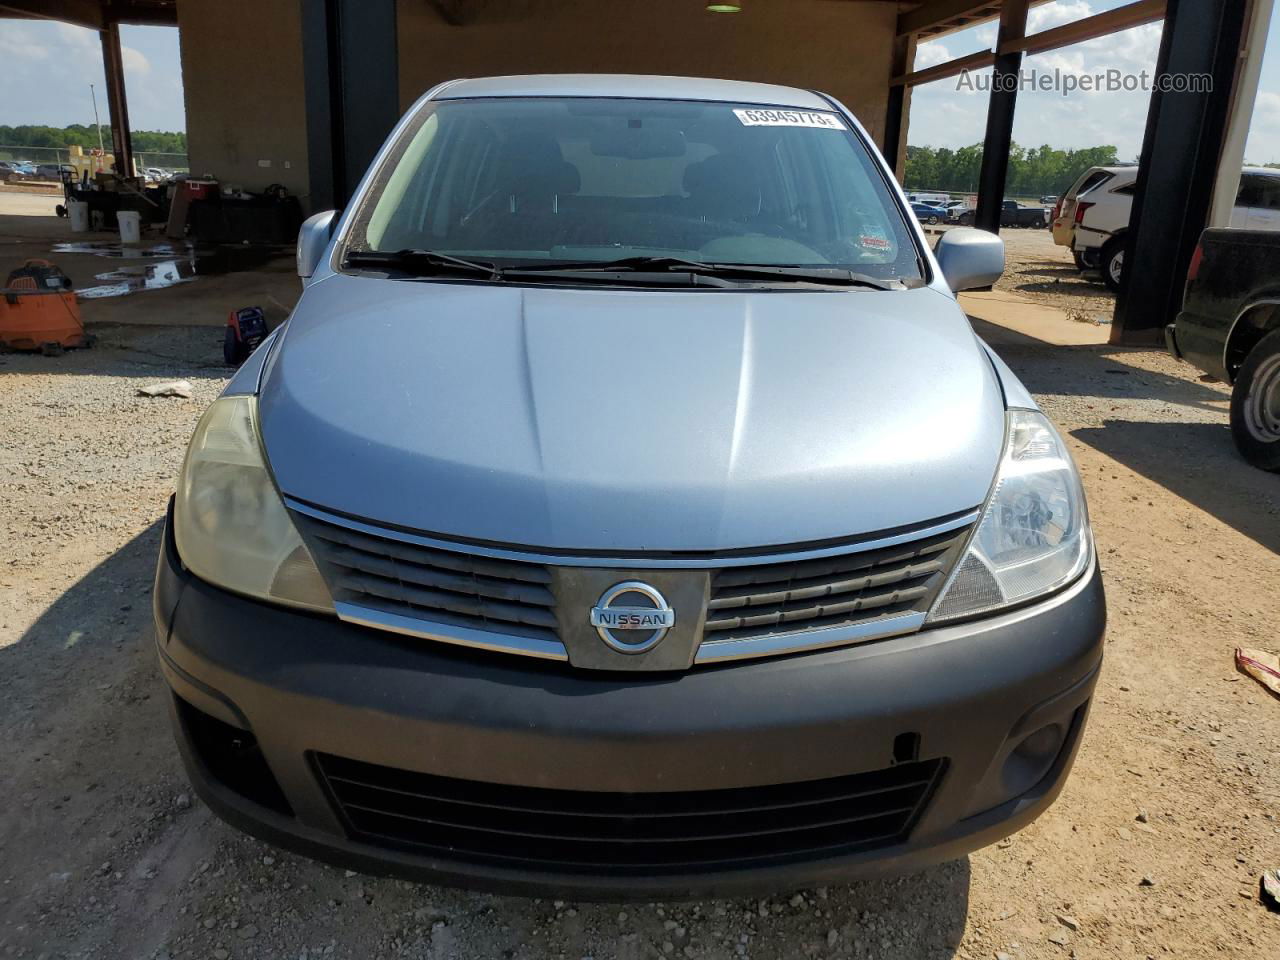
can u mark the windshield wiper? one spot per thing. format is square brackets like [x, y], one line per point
[422, 262]
[743, 271]
[430, 263]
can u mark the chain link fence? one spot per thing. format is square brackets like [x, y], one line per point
[25, 163]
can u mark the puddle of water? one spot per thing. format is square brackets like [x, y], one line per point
[113, 248]
[150, 276]
[178, 263]
[230, 257]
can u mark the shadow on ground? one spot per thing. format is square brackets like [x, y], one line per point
[1183, 441]
[1092, 371]
[1081, 289]
[1199, 463]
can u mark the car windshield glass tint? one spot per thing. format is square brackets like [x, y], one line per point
[524, 181]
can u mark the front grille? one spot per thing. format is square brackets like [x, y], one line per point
[571, 830]
[441, 591]
[854, 588]
[440, 586]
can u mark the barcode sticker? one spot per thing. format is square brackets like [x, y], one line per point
[790, 118]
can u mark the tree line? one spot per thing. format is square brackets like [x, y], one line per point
[78, 134]
[1035, 172]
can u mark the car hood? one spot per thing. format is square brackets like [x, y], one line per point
[626, 420]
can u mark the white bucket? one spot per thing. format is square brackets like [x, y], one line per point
[130, 226]
[78, 213]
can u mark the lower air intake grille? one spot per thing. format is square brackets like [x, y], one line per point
[572, 830]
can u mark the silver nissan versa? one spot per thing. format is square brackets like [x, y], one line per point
[628, 510]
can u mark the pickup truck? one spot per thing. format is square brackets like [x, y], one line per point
[1012, 214]
[1229, 327]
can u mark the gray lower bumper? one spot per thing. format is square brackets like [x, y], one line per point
[971, 693]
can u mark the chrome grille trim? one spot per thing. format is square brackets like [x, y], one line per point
[709, 562]
[823, 597]
[449, 596]
[450, 633]
[745, 648]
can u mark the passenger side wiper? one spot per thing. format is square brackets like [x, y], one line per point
[743, 271]
[422, 262]
[431, 263]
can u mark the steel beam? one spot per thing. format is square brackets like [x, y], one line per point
[82, 13]
[117, 104]
[352, 90]
[1180, 157]
[1090, 28]
[973, 61]
[999, 135]
[1243, 99]
[937, 18]
[947, 15]
[94, 14]
[898, 108]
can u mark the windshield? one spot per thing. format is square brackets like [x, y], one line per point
[532, 181]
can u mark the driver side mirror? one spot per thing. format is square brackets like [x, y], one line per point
[313, 240]
[969, 259]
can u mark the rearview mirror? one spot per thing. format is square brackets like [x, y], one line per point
[313, 239]
[969, 258]
[643, 143]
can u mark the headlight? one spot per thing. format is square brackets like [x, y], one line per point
[1034, 534]
[229, 522]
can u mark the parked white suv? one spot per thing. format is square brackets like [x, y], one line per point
[1093, 216]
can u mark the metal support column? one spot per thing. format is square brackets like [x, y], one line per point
[113, 66]
[1178, 168]
[999, 136]
[898, 109]
[352, 89]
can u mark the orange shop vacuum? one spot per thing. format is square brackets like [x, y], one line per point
[38, 311]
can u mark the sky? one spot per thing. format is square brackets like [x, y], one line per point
[943, 116]
[49, 66]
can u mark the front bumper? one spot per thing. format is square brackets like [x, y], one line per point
[967, 698]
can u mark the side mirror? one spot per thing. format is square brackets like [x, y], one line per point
[969, 258]
[313, 238]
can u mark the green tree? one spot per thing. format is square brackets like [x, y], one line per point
[81, 135]
[1037, 171]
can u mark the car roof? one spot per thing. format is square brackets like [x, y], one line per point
[632, 85]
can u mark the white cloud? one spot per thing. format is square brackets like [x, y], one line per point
[1049, 15]
[135, 61]
[931, 54]
[1264, 133]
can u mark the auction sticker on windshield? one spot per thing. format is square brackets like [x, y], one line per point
[790, 118]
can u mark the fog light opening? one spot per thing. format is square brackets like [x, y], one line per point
[906, 747]
[1032, 758]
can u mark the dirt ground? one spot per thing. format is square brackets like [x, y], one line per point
[1037, 268]
[1154, 849]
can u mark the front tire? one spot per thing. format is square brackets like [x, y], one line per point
[1255, 405]
[1113, 265]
